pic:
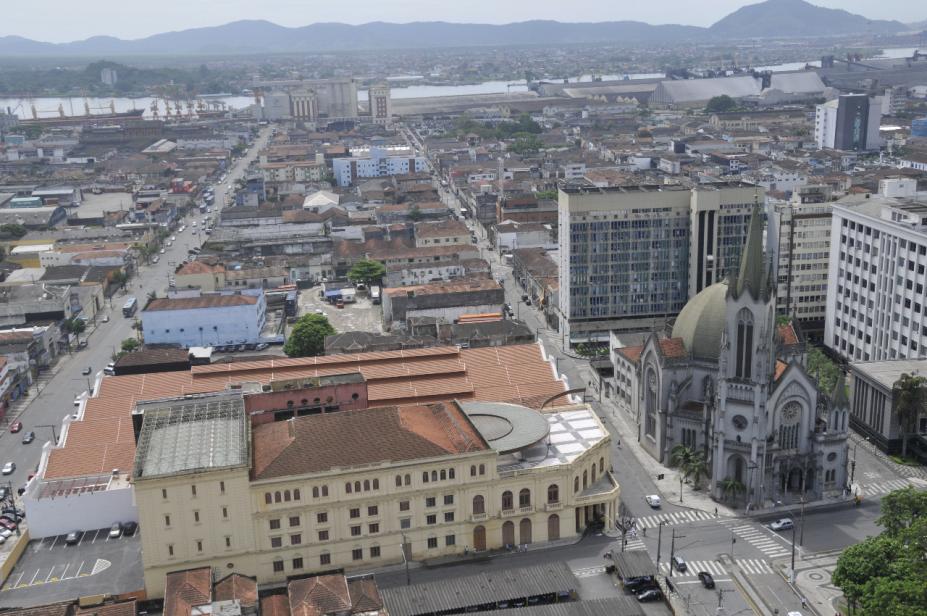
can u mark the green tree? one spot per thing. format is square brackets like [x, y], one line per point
[691, 465]
[730, 488]
[129, 344]
[75, 326]
[120, 279]
[908, 395]
[415, 213]
[308, 336]
[720, 104]
[825, 371]
[16, 230]
[367, 271]
[886, 575]
[526, 145]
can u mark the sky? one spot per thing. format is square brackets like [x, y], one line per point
[68, 20]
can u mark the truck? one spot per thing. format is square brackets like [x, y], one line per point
[375, 294]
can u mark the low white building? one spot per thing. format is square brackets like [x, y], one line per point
[206, 319]
[513, 235]
[377, 162]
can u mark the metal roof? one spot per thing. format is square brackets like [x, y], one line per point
[507, 427]
[192, 434]
[633, 564]
[459, 593]
[613, 606]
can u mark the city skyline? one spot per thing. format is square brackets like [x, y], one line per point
[66, 22]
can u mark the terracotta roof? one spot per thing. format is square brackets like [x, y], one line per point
[787, 334]
[460, 285]
[319, 442]
[198, 267]
[275, 605]
[632, 353]
[237, 586]
[441, 229]
[673, 347]
[184, 590]
[203, 301]
[322, 594]
[365, 595]
[54, 609]
[780, 369]
[123, 608]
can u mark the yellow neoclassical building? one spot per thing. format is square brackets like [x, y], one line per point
[354, 489]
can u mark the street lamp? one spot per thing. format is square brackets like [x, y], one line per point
[54, 434]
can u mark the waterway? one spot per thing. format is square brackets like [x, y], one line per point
[48, 106]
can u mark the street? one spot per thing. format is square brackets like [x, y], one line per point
[56, 391]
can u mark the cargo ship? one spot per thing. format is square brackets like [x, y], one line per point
[86, 118]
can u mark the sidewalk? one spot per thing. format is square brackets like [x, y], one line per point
[902, 470]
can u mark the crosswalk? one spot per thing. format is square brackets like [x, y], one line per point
[753, 566]
[716, 569]
[635, 545]
[761, 540]
[588, 571]
[676, 517]
[884, 487]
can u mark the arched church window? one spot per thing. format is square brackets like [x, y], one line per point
[744, 365]
[651, 403]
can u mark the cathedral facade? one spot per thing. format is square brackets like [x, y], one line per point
[730, 382]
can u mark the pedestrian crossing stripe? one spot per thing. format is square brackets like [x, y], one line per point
[676, 517]
[756, 566]
[588, 571]
[716, 569]
[635, 545]
[884, 487]
[761, 541]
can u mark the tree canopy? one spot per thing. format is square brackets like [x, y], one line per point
[886, 575]
[909, 396]
[308, 336]
[825, 371]
[720, 104]
[367, 271]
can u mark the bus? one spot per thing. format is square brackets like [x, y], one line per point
[129, 308]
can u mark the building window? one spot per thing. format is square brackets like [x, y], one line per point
[366, 485]
[315, 491]
[448, 499]
[432, 542]
[450, 540]
[443, 474]
[434, 475]
[373, 528]
[356, 530]
[357, 486]
[407, 479]
[296, 539]
[196, 517]
[268, 499]
[482, 469]
[277, 497]
[398, 481]
[507, 500]
[373, 510]
[325, 558]
[744, 344]
[298, 563]
[221, 487]
[167, 520]
[403, 505]
[575, 485]
[274, 524]
[193, 490]
[524, 497]
[321, 518]
[294, 520]
[450, 473]
[355, 512]
[276, 542]
[473, 470]
[430, 501]
[405, 523]
[375, 551]
[347, 487]
[376, 484]
[199, 545]
[425, 477]
[448, 516]
[170, 550]
[286, 496]
[357, 554]
[278, 566]
[296, 494]
[431, 519]
[164, 493]
[479, 505]
[324, 491]
[323, 535]
[553, 493]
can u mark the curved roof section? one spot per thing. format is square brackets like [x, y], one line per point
[701, 322]
[507, 427]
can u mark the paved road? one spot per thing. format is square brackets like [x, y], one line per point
[56, 397]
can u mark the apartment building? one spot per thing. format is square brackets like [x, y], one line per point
[205, 319]
[799, 233]
[359, 489]
[631, 256]
[377, 162]
[849, 122]
[876, 308]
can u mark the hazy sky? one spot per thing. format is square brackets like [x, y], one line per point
[67, 20]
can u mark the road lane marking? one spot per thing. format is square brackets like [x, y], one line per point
[52, 546]
[50, 572]
[33, 577]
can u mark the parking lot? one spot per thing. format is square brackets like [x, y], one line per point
[50, 571]
[359, 316]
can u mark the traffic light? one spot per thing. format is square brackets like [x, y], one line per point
[660, 476]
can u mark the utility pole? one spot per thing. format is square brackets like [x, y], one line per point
[792, 575]
[659, 542]
[733, 541]
[54, 434]
[801, 535]
[405, 559]
[673, 551]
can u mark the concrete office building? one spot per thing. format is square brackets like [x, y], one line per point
[873, 413]
[358, 488]
[377, 162]
[876, 305]
[799, 236]
[850, 122]
[380, 103]
[631, 256]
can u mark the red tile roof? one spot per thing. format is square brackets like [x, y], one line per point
[787, 334]
[184, 590]
[237, 586]
[780, 369]
[275, 605]
[632, 353]
[673, 347]
[203, 301]
[199, 267]
[321, 594]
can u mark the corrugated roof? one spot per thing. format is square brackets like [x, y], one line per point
[184, 590]
[203, 301]
[613, 606]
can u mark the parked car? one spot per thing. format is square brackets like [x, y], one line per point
[173, 238]
[13, 510]
[28, 437]
[706, 579]
[156, 258]
[653, 594]
[7, 524]
[105, 318]
[73, 537]
[129, 528]
[639, 585]
[782, 524]
[16, 426]
[11, 517]
[679, 563]
[6, 532]
[653, 500]
[115, 531]
[110, 369]
[162, 251]
[4, 492]
[261, 346]
[86, 370]
[8, 468]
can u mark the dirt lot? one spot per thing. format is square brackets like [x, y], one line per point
[361, 316]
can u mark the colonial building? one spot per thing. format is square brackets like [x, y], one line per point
[732, 384]
[360, 488]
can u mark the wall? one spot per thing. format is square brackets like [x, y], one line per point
[88, 511]
[343, 396]
[204, 326]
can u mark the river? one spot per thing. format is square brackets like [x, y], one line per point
[48, 106]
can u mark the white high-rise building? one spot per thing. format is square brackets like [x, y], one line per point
[876, 305]
[850, 122]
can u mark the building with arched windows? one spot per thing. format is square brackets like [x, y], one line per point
[730, 383]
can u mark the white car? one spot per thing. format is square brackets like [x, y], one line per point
[782, 524]
[653, 500]
[106, 318]
[162, 251]
[156, 258]
[8, 468]
[173, 238]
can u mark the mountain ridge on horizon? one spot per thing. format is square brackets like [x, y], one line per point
[772, 18]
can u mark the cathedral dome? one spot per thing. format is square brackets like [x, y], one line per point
[701, 322]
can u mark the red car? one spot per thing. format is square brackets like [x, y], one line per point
[16, 426]
[7, 524]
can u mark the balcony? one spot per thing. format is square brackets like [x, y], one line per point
[508, 513]
[479, 517]
[557, 506]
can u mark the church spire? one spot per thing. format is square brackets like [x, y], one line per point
[839, 396]
[751, 260]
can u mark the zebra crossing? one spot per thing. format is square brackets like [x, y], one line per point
[761, 540]
[884, 487]
[715, 568]
[588, 571]
[755, 566]
[676, 517]
[634, 545]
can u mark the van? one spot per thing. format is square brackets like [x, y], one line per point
[679, 564]
[110, 369]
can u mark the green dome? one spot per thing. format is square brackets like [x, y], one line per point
[701, 322]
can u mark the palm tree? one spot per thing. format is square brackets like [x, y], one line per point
[697, 469]
[685, 459]
[909, 397]
[731, 487]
